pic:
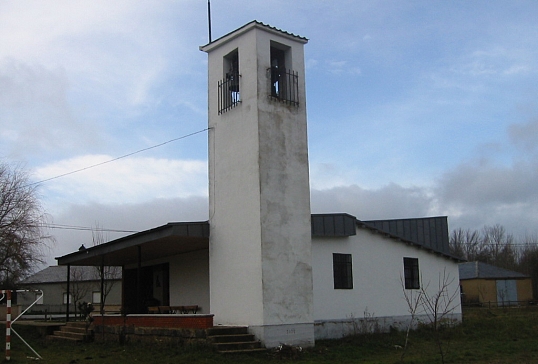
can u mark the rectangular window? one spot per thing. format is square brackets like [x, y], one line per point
[65, 298]
[342, 271]
[38, 295]
[411, 273]
[96, 297]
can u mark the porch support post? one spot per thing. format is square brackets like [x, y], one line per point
[138, 281]
[68, 292]
[102, 302]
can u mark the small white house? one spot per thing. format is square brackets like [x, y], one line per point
[262, 260]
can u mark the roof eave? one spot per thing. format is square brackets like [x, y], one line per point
[245, 28]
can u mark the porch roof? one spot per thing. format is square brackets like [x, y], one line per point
[167, 240]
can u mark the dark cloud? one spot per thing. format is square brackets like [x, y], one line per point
[482, 183]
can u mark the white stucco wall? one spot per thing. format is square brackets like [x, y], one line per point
[377, 281]
[189, 280]
[234, 193]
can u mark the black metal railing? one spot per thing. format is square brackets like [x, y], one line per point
[284, 85]
[229, 94]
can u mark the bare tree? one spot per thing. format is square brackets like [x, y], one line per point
[79, 285]
[500, 247]
[22, 237]
[528, 261]
[107, 274]
[413, 298]
[438, 305]
[493, 245]
[465, 244]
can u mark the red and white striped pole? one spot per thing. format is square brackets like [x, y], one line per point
[8, 324]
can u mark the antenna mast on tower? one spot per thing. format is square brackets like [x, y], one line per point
[209, 18]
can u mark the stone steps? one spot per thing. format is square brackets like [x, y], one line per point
[233, 340]
[72, 332]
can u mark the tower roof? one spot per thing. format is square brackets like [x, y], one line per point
[253, 24]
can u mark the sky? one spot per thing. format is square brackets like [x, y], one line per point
[415, 108]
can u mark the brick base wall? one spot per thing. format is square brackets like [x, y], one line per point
[179, 329]
[156, 321]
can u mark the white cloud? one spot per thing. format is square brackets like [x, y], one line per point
[130, 180]
[388, 202]
[35, 113]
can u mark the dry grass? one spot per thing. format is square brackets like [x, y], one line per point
[486, 336]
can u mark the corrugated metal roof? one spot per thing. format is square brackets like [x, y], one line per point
[430, 232]
[407, 241]
[333, 225]
[477, 270]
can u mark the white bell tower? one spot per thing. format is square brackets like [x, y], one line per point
[260, 254]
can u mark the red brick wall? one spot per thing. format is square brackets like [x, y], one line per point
[165, 321]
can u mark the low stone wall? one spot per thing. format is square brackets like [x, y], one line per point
[163, 328]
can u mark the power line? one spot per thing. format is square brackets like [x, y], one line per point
[85, 228]
[117, 158]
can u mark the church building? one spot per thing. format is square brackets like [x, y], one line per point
[262, 260]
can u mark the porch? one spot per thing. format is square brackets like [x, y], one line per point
[165, 271]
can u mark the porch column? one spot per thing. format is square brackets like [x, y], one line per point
[102, 272]
[68, 292]
[138, 281]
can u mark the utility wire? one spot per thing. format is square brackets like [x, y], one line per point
[85, 228]
[117, 158]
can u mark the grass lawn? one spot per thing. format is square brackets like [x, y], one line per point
[486, 336]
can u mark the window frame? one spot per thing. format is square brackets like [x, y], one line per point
[65, 298]
[411, 273]
[342, 271]
[94, 301]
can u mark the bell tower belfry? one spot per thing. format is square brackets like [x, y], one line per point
[260, 258]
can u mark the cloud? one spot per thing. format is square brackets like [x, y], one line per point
[35, 114]
[338, 67]
[482, 183]
[389, 202]
[124, 216]
[129, 180]
[525, 135]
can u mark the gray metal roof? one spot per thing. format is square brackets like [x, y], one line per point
[479, 270]
[166, 240]
[333, 225]
[58, 274]
[181, 237]
[430, 232]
